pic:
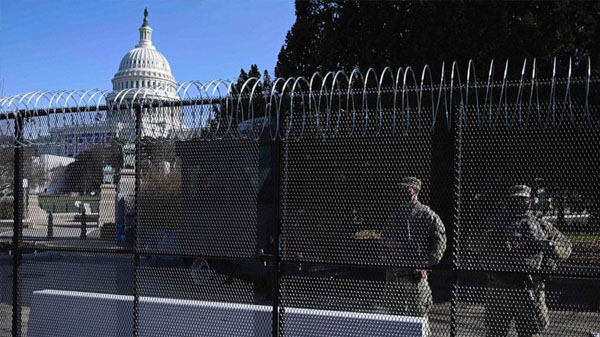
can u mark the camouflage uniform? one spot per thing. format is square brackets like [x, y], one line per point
[521, 243]
[420, 237]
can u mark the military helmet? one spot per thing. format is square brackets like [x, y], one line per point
[411, 182]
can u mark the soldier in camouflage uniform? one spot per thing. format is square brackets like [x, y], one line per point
[415, 236]
[520, 242]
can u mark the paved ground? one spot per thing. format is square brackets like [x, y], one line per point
[65, 236]
[470, 322]
[59, 232]
[563, 323]
[113, 274]
[6, 319]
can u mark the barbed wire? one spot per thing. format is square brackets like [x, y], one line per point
[322, 105]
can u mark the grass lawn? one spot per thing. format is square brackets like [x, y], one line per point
[583, 237]
[66, 204]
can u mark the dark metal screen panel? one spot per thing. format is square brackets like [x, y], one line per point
[66, 200]
[196, 207]
[6, 292]
[557, 164]
[570, 307]
[362, 294]
[7, 165]
[208, 297]
[205, 202]
[340, 192]
[205, 213]
[77, 275]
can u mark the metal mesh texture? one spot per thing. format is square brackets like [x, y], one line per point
[67, 204]
[55, 286]
[205, 216]
[199, 221]
[527, 222]
[340, 193]
[345, 204]
[555, 164]
[6, 293]
[200, 198]
[351, 301]
[485, 307]
[6, 226]
[198, 296]
[6, 197]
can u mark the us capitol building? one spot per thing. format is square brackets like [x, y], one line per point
[143, 70]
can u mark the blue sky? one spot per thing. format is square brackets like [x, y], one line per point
[54, 45]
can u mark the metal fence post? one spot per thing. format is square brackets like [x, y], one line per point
[136, 255]
[83, 234]
[276, 169]
[17, 224]
[455, 228]
[50, 234]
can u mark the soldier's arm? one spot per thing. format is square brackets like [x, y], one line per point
[559, 246]
[437, 239]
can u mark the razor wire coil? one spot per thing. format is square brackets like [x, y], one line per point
[329, 105]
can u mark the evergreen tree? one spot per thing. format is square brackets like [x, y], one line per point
[260, 92]
[344, 35]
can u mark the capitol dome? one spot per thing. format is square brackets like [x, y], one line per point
[145, 67]
[144, 71]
